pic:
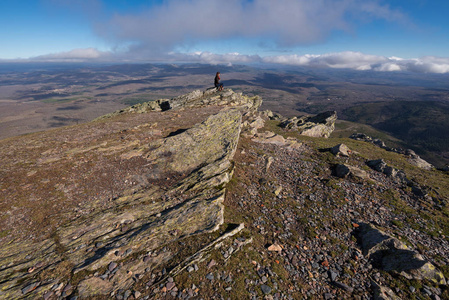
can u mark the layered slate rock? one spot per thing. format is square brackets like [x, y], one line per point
[186, 172]
[390, 254]
[321, 125]
[194, 99]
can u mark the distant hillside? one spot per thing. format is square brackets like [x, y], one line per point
[423, 125]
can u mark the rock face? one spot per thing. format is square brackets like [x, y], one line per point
[144, 219]
[321, 125]
[390, 254]
[194, 99]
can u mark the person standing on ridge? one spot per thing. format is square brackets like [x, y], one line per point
[217, 83]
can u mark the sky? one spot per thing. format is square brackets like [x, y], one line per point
[380, 35]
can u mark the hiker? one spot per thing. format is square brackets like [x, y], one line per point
[217, 83]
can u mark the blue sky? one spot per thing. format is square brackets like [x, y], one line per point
[360, 34]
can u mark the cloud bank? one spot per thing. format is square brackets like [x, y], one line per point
[363, 62]
[339, 60]
[75, 55]
[285, 22]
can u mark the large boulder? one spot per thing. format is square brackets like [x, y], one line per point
[340, 150]
[417, 161]
[390, 254]
[321, 125]
[344, 170]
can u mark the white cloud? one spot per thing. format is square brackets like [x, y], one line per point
[285, 22]
[340, 60]
[363, 62]
[75, 55]
[348, 59]
[211, 58]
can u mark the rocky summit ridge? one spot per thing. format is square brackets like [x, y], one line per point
[203, 196]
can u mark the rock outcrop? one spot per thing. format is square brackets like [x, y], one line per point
[194, 99]
[142, 219]
[412, 157]
[390, 254]
[321, 125]
[381, 166]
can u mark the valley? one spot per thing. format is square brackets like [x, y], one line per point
[410, 110]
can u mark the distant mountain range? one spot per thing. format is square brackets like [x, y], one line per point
[411, 107]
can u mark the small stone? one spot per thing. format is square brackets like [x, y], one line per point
[343, 286]
[190, 269]
[112, 266]
[265, 289]
[47, 295]
[275, 247]
[146, 258]
[170, 285]
[412, 289]
[211, 264]
[68, 287]
[30, 287]
[229, 288]
[137, 294]
[427, 291]
[127, 294]
[210, 276]
[333, 275]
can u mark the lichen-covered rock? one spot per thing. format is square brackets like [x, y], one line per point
[200, 145]
[94, 286]
[321, 125]
[343, 170]
[269, 137]
[420, 163]
[194, 99]
[383, 292]
[144, 218]
[381, 166]
[390, 254]
[340, 150]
